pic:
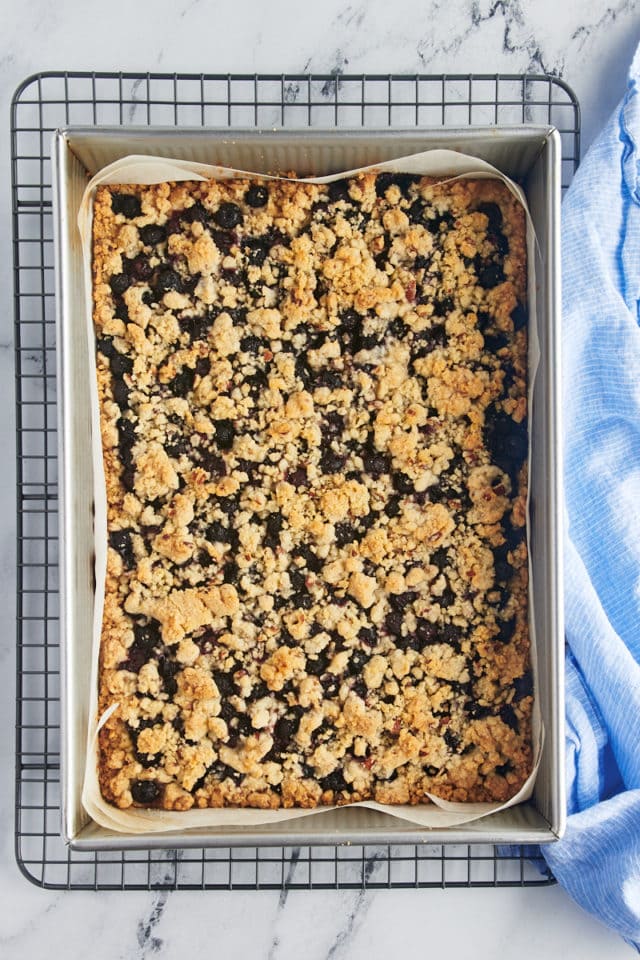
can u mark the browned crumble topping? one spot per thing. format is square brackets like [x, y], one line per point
[313, 409]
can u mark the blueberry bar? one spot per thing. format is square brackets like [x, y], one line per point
[313, 408]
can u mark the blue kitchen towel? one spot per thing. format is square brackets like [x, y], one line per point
[598, 860]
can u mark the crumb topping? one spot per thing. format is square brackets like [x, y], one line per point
[314, 428]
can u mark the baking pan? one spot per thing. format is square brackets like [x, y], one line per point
[528, 154]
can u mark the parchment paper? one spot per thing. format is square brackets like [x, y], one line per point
[446, 164]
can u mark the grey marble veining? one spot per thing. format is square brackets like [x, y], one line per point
[587, 42]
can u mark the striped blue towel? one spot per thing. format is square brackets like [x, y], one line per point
[598, 860]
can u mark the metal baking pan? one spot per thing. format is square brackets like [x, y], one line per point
[528, 154]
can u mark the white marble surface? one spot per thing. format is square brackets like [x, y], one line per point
[588, 42]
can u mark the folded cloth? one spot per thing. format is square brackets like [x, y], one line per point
[598, 860]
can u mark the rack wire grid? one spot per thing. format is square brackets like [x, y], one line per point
[41, 104]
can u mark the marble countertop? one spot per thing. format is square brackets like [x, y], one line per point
[589, 44]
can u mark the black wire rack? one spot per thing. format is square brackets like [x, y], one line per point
[41, 104]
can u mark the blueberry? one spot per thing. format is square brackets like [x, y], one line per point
[400, 601]
[167, 279]
[447, 597]
[495, 341]
[217, 532]
[397, 329]
[506, 440]
[313, 562]
[212, 462]
[228, 505]
[203, 366]
[330, 461]
[256, 196]
[513, 536]
[298, 477]
[225, 434]
[330, 685]
[375, 464]
[327, 378]
[393, 622]
[302, 601]
[139, 268]
[503, 570]
[251, 344]
[126, 438]
[360, 688]
[146, 637]
[523, 686]
[506, 630]
[369, 341]
[417, 212]
[168, 670]
[392, 508]
[297, 580]
[119, 282]
[318, 665]
[500, 242]
[336, 782]
[120, 540]
[368, 636]
[257, 382]
[224, 240]
[284, 732]
[402, 483]
[126, 204]
[147, 633]
[339, 190]
[451, 739]
[484, 320]
[275, 522]
[440, 558]
[121, 394]
[490, 275]
[383, 182]
[451, 634]
[147, 761]
[145, 791]
[249, 467]
[196, 213]
[519, 316]
[345, 533]
[434, 224]
[426, 633]
[105, 346]
[225, 683]
[128, 479]
[504, 768]
[121, 364]
[332, 426]
[441, 308]
[350, 322]
[357, 661]
[256, 250]
[222, 772]
[182, 383]
[508, 716]
[231, 572]
[228, 216]
[494, 214]
[365, 523]
[152, 235]
[477, 711]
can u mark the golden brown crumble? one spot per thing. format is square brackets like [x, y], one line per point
[314, 425]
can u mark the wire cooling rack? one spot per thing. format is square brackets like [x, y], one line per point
[40, 105]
